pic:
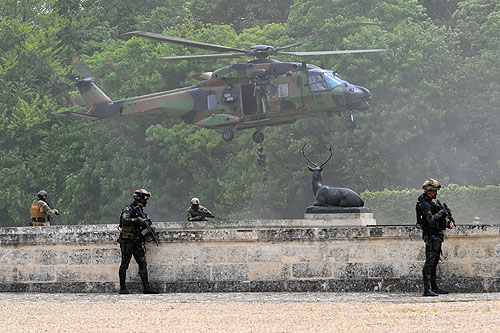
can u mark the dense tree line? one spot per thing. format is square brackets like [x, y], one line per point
[434, 112]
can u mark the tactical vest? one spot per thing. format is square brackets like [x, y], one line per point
[37, 211]
[422, 221]
[129, 232]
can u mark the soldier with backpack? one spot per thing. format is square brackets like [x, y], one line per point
[433, 218]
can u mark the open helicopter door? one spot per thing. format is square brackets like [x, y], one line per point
[248, 100]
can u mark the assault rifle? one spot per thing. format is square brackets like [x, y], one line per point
[148, 230]
[448, 216]
[49, 219]
[202, 214]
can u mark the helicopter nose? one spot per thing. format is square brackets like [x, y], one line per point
[357, 98]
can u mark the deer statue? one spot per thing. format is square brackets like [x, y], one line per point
[331, 196]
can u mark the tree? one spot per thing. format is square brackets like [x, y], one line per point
[243, 14]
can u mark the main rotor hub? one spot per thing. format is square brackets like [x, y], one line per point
[261, 51]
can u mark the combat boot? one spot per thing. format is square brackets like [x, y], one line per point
[438, 290]
[124, 291]
[147, 288]
[123, 288]
[428, 291]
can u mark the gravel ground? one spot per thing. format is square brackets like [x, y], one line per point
[249, 312]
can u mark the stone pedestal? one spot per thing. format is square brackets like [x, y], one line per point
[341, 216]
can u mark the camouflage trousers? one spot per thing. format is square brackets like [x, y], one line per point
[129, 248]
[40, 224]
[432, 254]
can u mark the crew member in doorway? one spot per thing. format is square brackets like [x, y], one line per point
[40, 210]
[260, 94]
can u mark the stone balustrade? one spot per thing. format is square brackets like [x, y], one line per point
[254, 255]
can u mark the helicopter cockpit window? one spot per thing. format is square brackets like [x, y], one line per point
[333, 81]
[317, 82]
[211, 101]
[283, 89]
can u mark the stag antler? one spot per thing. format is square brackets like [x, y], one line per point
[314, 164]
[331, 153]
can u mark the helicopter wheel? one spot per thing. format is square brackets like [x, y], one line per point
[258, 136]
[227, 134]
[351, 124]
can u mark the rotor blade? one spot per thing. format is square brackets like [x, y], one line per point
[300, 43]
[311, 53]
[319, 37]
[203, 56]
[185, 42]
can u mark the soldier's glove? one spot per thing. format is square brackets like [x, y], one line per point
[56, 212]
[440, 215]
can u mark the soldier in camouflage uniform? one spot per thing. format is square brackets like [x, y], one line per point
[261, 162]
[432, 220]
[197, 212]
[262, 99]
[132, 222]
[40, 210]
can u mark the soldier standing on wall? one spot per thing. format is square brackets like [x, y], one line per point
[40, 210]
[132, 221]
[197, 212]
[432, 218]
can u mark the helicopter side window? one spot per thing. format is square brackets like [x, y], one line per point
[283, 89]
[318, 83]
[211, 101]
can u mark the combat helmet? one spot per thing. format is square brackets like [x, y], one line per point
[431, 185]
[142, 195]
[42, 195]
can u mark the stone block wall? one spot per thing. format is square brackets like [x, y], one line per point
[257, 255]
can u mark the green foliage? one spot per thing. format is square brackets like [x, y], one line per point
[477, 22]
[242, 14]
[440, 11]
[433, 113]
[391, 207]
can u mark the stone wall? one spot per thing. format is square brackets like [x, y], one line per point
[257, 255]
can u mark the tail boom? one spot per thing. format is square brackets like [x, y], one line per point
[98, 104]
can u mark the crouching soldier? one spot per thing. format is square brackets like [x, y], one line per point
[197, 212]
[132, 222]
[40, 210]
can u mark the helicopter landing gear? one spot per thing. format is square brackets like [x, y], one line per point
[227, 134]
[351, 123]
[258, 136]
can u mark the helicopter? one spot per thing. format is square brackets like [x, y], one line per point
[255, 94]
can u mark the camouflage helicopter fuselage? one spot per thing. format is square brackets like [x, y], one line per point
[255, 94]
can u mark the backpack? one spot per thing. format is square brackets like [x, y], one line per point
[420, 218]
